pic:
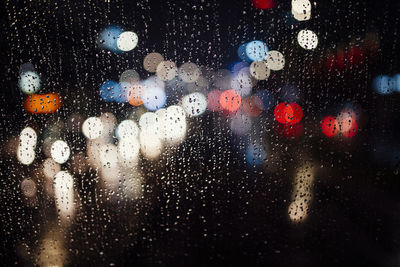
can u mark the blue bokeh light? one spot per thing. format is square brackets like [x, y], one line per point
[108, 38]
[382, 85]
[109, 90]
[256, 51]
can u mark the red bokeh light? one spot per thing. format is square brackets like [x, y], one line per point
[288, 113]
[280, 111]
[230, 100]
[263, 4]
[289, 130]
[213, 102]
[329, 126]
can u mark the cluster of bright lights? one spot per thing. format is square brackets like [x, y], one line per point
[385, 85]
[113, 38]
[344, 123]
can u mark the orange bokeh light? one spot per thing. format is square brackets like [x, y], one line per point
[230, 100]
[42, 103]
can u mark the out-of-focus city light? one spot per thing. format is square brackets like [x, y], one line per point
[135, 94]
[60, 151]
[129, 76]
[307, 39]
[252, 106]
[29, 82]
[28, 188]
[64, 194]
[166, 70]
[256, 50]
[255, 154]
[230, 100]
[150, 145]
[173, 121]
[151, 61]
[194, 104]
[275, 60]
[154, 98]
[111, 91]
[108, 155]
[108, 38]
[236, 66]
[127, 129]
[382, 85]
[127, 41]
[295, 115]
[92, 127]
[259, 70]
[329, 126]
[108, 121]
[189, 72]
[26, 147]
[42, 104]
[301, 9]
[213, 100]
[241, 124]
[264, 4]
[289, 130]
[128, 151]
[280, 112]
[50, 168]
[242, 82]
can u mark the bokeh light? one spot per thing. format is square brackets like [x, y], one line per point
[92, 127]
[60, 151]
[127, 41]
[166, 70]
[264, 4]
[108, 38]
[127, 129]
[307, 39]
[275, 60]
[213, 100]
[259, 70]
[329, 126]
[154, 98]
[42, 104]
[194, 104]
[151, 61]
[256, 50]
[29, 82]
[64, 194]
[230, 100]
[189, 72]
[382, 85]
[251, 106]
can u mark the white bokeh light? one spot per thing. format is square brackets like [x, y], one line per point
[189, 72]
[64, 194]
[60, 151]
[29, 82]
[92, 127]
[307, 39]
[259, 70]
[194, 104]
[127, 41]
[275, 60]
[166, 70]
[127, 129]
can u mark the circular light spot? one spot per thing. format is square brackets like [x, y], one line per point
[230, 100]
[29, 82]
[110, 90]
[294, 114]
[127, 41]
[129, 76]
[108, 38]
[64, 193]
[194, 104]
[60, 151]
[166, 70]
[275, 60]
[301, 6]
[189, 72]
[307, 39]
[301, 16]
[127, 129]
[135, 94]
[28, 138]
[242, 82]
[150, 145]
[154, 98]
[382, 85]
[256, 50]
[329, 126]
[92, 127]
[151, 61]
[251, 106]
[28, 188]
[282, 112]
[263, 4]
[259, 70]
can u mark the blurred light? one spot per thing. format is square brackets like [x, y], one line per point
[60, 151]
[29, 82]
[108, 89]
[255, 154]
[242, 82]
[222, 79]
[173, 121]
[396, 82]
[189, 72]
[154, 98]
[352, 131]
[230, 100]
[259, 70]
[290, 131]
[263, 4]
[237, 66]
[42, 104]
[108, 38]
[345, 119]
[127, 41]
[307, 39]
[92, 127]
[241, 124]
[251, 105]
[166, 70]
[26, 67]
[295, 114]
[128, 151]
[135, 94]
[127, 129]
[28, 188]
[150, 145]
[64, 194]
[133, 185]
[275, 60]
[50, 168]
[301, 9]
[200, 85]
[213, 100]
[129, 76]
[301, 16]
[329, 126]
[382, 85]
[26, 146]
[194, 104]
[151, 61]
[108, 121]
[256, 51]
[93, 152]
[108, 155]
[282, 111]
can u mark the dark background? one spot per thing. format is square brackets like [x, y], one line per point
[210, 209]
